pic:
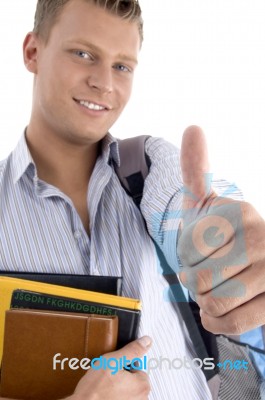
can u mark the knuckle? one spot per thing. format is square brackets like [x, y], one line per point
[212, 325]
[143, 384]
[204, 281]
[213, 306]
[146, 387]
[197, 280]
[231, 324]
[234, 326]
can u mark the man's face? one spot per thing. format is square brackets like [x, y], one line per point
[84, 73]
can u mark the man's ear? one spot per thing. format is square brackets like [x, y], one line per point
[30, 52]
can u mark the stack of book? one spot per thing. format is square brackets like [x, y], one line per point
[44, 325]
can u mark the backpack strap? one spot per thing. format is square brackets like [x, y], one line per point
[189, 315]
[134, 168]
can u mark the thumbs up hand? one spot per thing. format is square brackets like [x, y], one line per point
[221, 247]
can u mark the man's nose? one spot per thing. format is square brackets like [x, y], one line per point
[101, 78]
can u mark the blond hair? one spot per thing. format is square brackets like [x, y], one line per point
[48, 11]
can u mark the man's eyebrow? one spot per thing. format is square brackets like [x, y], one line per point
[127, 58]
[120, 56]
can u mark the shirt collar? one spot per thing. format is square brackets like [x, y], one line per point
[22, 161]
[110, 149]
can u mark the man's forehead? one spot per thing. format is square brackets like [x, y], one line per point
[92, 26]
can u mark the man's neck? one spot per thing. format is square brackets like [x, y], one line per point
[64, 165]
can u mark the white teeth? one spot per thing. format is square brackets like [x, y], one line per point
[91, 106]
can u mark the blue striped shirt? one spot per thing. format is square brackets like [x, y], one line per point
[40, 230]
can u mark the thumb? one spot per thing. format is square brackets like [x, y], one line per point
[194, 166]
[135, 349]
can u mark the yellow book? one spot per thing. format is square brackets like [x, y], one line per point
[8, 285]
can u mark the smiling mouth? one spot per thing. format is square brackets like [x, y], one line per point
[92, 106]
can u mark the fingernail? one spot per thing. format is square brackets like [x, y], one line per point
[145, 341]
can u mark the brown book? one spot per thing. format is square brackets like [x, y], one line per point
[32, 338]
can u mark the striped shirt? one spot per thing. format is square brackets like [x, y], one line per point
[40, 231]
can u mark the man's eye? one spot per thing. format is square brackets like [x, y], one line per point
[83, 54]
[122, 68]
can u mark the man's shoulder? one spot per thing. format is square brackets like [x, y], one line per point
[159, 148]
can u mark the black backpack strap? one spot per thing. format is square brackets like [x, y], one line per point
[188, 313]
[133, 169]
[134, 166]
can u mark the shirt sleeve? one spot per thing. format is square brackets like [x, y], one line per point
[162, 197]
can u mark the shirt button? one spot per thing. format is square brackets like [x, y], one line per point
[77, 234]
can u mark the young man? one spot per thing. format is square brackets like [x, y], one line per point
[63, 208]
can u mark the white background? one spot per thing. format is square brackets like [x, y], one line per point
[202, 62]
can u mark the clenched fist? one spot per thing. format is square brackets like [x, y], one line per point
[221, 247]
